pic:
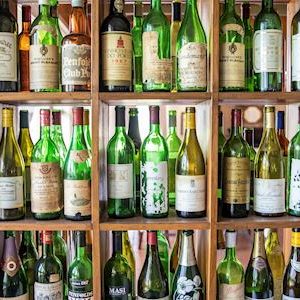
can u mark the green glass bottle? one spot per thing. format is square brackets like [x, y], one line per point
[221, 143]
[154, 170]
[267, 49]
[87, 131]
[230, 272]
[295, 63]
[156, 50]
[191, 50]
[174, 259]
[163, 250]
[80, 272]
[121, 171]
[173, 142]
[232, 50]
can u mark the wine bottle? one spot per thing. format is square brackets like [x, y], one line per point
[12, 171]
[137, 32]
[163, 250]
[258, 278]
[77, 173]
[153, 282]
[156, 50]
[190, 172]
[13, 280]
[116, 42]
[230, 272]
[8, 39]
[267, 49]
[187, 278]
[174, 259]
[86, 130]
[46, 183]
[295, 31]
[232, 49]
[23, 47]
[80, 272]
[221, 143]
[154, 170]
[76, 52]
[269, 182]
[173, 142]
[48, 271]
[118, 276]
[29, 257]
[191, 51]
[120, 170]
[236, 171]
[283, 141]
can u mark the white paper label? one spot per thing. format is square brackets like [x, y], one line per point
[267, 51]
[295, 57]
[294, 201]
[48, 290]
[269, 196]
[190, 193]
[22, 297]
[284, 297]
[8, 56]
[120, 181]
[11, 192]
[231, 291]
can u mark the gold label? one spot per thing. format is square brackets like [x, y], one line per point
[79, 156]
[190, 120]
[270, 119]
[259, 246]
[7, 117]
[233, 27]
[236, 184]
[295, 239]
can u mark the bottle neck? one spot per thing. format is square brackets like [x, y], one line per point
[152, 249]
[45, 132]
[116, 6]
[172, 130]
[154, 128]
[176, 16]
[187, 251]
[259, 244]
[53, 12]
[78, 21]
[26, 27]
[117, 242]
[230, 245]
[44, 9]
[191, 6]
[10, 248]
[27, 238]
[156, 4]
[133, 128]
[138, 14]
[81, 245]
[236, 129]
[246, 12]
[47, 244]
[190, 126]
[230, 6]
[267, 4]
[77, 133]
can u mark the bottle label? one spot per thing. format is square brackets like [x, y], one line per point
[284, 297]
[230, 239]
[79, 290]
[119, 292]
[294, 200]
[11, 192]
[267, 51]
[192, 65]
[22, 297]
[120, 181]
[269, 196]
[45, 187]
[259, 263]
[295, 57]
[190, 193]
[236, 180]
[116, 58]
[76, 64]
[188, 288]
[154, 187]
[295, 239]
[164, 298]
[48, 290]
[43, 62]
[8, 56]
[231, 291]
[155, 70]
[79, 156]
[77, 197]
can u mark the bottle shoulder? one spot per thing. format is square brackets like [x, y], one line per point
[115, 22]
[154, 20]
[236, 146]
[45, 151]
[267, 20]
[77, 39]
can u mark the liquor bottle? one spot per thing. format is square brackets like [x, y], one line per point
[230, 272]
[156, 50]
[80, 272]
[12, 171]
[154, 170]
[163, 250]
[221, 143]
[267, 49]
[118, 276]
[153, 282]
[134, 134]
[23, 47]
[44, 51]
[283, 141]
[13, 280]
[116, 42]
[46, 183]
[76, 52]
[258, 277]
[9, 50]
[48, 271]
[248, 38]
[120, 170]
[190, 172]
[137, 32]
[295, 64]
[29, 257]
[174, 29]
[232, 49]
[291, 281]
[236, 171]
[86, 130]
[77, 173]
[293, 171]
[275, 260]
[174, 259]
[187, 278]
[191, 51]
[269, 182]
[173, 142]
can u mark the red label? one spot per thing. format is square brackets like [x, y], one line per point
[151, 238]
[46, 237]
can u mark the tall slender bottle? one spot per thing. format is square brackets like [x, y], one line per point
[267, 49]
[269, 182]
[191, 48]
[283, 141]
[221, 143]
[295, 64]
[157, 66]
[87, 130]
[173, 142]
[187, 279]
[174, 258]
[190, 172]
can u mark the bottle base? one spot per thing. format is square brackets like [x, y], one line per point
[269, 214]
[184, 214]
[155, 216]
[77, 218]
[46, 216]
